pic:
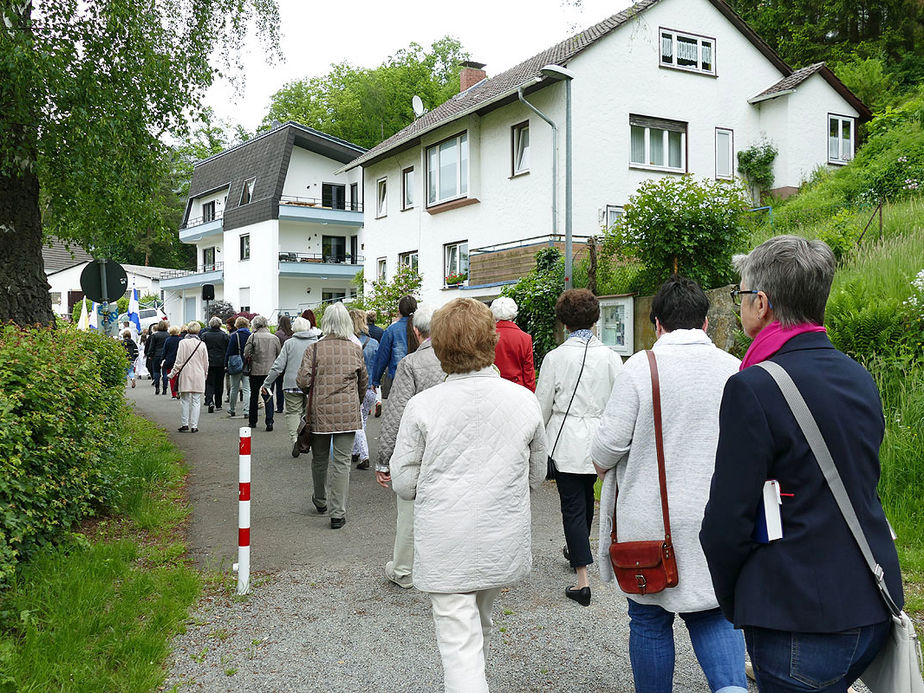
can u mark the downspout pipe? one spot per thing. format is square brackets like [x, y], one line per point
[542, 115]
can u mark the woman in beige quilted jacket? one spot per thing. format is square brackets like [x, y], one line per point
[335, 369]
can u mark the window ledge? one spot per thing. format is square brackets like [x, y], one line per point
[452, 204]
[659, 169]
[519, 175]
[691, 70]
[408, 209]
[454, 287]
[838, 162]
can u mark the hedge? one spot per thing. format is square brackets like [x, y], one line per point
[61, 411]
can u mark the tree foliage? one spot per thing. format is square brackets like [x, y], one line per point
[89, 91]
[384, 296]
[368, 105]
[535, 296]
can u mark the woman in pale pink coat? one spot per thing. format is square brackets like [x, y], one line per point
[192, 365]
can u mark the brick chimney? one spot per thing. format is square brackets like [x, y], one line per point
[471, 74]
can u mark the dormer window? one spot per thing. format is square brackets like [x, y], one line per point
[247, 191]
[687, 51]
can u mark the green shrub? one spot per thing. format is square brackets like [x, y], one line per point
[385, 296]
[676, 224]
[61, 409]
[756, 164]
[535, 295]
[841, 235]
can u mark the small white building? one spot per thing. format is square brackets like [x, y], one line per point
[276, 228]
[664, 88]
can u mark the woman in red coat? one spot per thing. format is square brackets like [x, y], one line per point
[513, 354]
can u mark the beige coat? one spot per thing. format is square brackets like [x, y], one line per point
[192, 376]
[340, 388]
[262, 348]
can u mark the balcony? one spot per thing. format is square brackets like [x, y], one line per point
[313, 210]
[505, 263]
[200, 227]
[213, 273]
[318, 265]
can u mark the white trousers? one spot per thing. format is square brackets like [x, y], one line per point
[403, 555]
[191, 404]
[463, 627]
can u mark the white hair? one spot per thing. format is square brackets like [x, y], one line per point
[258, 322]
[301, 324]
[422, 317]
[337, 321]
[215, 322]
[504, 308]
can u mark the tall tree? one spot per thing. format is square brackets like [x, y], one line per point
[88, 91]
[368, 105]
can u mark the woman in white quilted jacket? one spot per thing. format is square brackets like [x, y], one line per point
[468, 451]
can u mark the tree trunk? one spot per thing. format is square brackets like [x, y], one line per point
[592, 265]
[24, 296]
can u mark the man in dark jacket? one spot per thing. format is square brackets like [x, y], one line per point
[156, 349]
[216, 341]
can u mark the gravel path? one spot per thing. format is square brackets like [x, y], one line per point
[322, 617]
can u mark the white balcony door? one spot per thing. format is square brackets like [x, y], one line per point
[189, 309]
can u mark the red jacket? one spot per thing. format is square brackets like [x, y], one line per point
[513, 355]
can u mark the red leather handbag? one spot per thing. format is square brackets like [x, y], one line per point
[647, 567]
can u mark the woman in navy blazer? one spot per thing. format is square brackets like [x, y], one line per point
[812, 615]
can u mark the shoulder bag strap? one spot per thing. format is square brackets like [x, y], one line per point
[562, 427]
[822, 455]
[187, 358]
[314, 378]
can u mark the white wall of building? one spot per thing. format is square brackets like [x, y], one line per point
[308, 171]
[219, 197]
[68, 280]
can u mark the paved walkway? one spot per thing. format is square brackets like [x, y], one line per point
[322, 616]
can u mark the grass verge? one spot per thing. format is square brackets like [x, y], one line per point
[97, 612]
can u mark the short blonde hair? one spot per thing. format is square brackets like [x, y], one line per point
[241, 322]
[359, 321]
[193, 327]
[173, 329]
[463, 335]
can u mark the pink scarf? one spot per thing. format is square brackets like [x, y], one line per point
[771, 339]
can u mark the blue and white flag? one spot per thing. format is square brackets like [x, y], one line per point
[133, 310]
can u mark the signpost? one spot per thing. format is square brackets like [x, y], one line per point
[102, 281]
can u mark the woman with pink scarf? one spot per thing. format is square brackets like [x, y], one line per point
[812, 615]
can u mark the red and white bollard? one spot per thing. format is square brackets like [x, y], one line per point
[242, 567]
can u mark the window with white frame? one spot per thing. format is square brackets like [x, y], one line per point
[408, 192]
[657, 143]
[208, 259]
[247, 191]
[208, 211]
[245, 246]
[447, 169]
[613, 215]
[687, 51]
[409, 259]
[381, 197]
[244, 299]
[456, 263]
[840, 139]
[724, 153]
[380, 269]
[520, 148]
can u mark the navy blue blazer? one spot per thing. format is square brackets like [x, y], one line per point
[814, 579]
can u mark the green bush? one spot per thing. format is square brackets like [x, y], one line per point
[385, 296]
[535, 295]
[61, 410]
[676, 224]
[756, 164]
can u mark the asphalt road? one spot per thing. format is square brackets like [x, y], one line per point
[321, 615]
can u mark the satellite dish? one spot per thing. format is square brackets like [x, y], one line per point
[418, 106]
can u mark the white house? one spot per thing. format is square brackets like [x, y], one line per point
[276, 228]
[666, 87]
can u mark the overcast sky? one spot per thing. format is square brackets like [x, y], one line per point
[500, 33]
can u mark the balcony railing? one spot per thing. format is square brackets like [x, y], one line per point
[319, 257]
[316, 202]
[198, 221]
[548, 239]
[201, 269]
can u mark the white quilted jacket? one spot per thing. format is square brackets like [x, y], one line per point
[467, 452]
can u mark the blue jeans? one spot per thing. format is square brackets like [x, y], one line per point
[818, 662]
[718, 647]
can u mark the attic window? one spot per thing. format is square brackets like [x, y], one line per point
[687, 51]
[247, 191]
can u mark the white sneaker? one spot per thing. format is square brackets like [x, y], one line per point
[406, 582]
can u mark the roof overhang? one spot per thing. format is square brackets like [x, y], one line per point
[767, 97]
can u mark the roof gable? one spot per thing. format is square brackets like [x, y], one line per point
[58, 255]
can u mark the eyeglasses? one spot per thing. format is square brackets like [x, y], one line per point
[736, 295]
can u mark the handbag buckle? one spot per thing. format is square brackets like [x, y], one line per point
[641, 582]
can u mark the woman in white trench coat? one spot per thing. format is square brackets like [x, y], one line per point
[468, 451]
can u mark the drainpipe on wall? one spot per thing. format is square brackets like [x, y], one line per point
[554, 156]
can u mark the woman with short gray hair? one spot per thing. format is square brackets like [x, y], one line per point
[262, 348]
[807, 589]
[334, 369]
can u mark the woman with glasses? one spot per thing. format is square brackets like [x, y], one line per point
[812, 616]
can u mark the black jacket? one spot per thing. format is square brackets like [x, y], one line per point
[131, 349]
[155, 348]
[216, 340]
[814, 579]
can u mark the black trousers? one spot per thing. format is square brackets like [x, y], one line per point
[214, 385]
[576, 492]
[256, 382]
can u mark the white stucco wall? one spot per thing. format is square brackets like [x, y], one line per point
[219, 197]
[618, 76]
[308, 171]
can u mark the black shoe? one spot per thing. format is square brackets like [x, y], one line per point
[378, 409]
[194, 430]
[364, 464]
[269, 427]
[354, 458]
[296, 449]
[211, 409]
[182, 429]
[338, 522]
[320, 508]
[566, 553]
[156, 392]
[581, 596]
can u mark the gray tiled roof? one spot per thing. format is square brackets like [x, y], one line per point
[791, 81]
[487, 91]
[59, 256]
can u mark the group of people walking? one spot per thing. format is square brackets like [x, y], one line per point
[685, 438]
